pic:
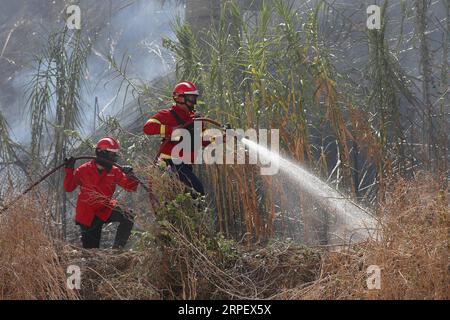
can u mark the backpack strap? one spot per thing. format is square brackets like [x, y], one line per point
[177, 117]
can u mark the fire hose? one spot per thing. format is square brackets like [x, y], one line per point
[48, 174]
[213, 122]
[146, 188]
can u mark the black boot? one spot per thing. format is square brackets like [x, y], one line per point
[124, 229]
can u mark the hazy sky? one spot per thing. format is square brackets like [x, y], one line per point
[126, 28]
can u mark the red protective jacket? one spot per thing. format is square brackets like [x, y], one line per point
[164, 123]
[96, 190]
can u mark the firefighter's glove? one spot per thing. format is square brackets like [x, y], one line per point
[69, 163]
[128, 170]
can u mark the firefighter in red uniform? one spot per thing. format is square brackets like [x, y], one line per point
[166, 121]
[95, 207]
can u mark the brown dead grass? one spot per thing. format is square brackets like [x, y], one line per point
[412, 251]
[30, 264]
[184, 263]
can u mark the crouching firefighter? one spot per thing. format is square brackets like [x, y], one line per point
[166, 121]
[95, 207]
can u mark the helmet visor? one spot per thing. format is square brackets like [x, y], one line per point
[191, 98]
[106, 158]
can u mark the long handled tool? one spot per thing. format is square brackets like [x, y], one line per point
[34, 184]
[214, 122]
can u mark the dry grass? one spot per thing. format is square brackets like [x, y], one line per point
[174, 258]
[412, 251]
[111, 275]
[31, 266]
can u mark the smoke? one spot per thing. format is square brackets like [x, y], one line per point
[122, 29]
[133, 35]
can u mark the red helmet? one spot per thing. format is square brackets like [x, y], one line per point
[108, 144]
[184, 88]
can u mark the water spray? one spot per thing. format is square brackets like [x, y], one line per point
[352, 213]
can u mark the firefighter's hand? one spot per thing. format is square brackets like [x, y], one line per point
[128, 170]
[226, 127]
[69, 163]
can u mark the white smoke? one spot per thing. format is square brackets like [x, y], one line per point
[126, 29]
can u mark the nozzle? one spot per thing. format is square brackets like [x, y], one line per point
[234, 133]
[226, 126]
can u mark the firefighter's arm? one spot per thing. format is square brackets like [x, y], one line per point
[72, 179]
[127, 181]
[154, 126]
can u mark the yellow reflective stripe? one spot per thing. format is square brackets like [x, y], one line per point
[152, 120]
[162, 128]
[165, 156]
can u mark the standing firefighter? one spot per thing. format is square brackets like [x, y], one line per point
[166, 121]
[98, 180]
